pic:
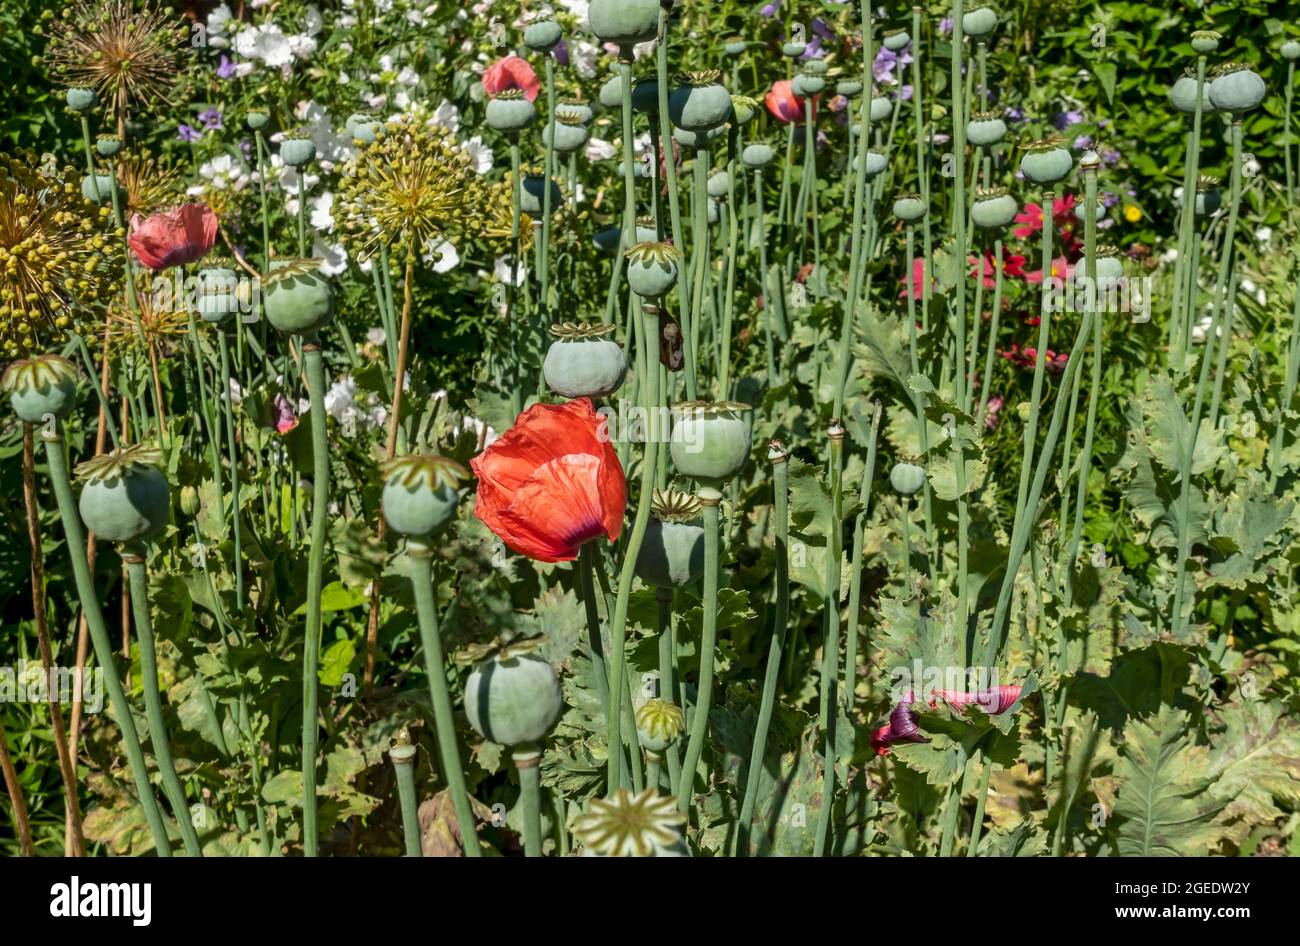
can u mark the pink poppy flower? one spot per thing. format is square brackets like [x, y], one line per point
[283, 414]
[511, 72]
[785, 106]
[173, 237]
[917, 282]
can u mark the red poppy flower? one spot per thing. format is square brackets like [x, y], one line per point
[785, 106]
[917, 282]
[1061, 269]
[1011, 266]
[551, 482]
[511, 73]
[173, 237]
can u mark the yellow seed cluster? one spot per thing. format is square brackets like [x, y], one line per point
[58, 265]
[409, 187]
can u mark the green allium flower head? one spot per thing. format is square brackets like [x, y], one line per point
[58, 266]
[658, 724]
[627, 825]
[409, 188]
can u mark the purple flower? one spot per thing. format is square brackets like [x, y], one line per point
[820, 27]
[1014, 114]
[1082, 143]
[186, 133]
[945, 26]
[771, 9]
[226, 67]
[1110, 157]
[211, 119]
[813, 49]
[561, 52]
[886, 59]
[1067, 118]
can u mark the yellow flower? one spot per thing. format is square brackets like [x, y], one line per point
[1132, 213]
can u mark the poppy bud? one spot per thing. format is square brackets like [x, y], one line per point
[907, 478]
[658, 724]
[257, 118]
[190, 504]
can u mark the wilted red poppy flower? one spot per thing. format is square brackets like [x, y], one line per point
[902, 726]
[785, 106]
[511, 73]
[551, 482]
[173, 237]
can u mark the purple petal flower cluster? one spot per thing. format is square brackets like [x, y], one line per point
[186, 133]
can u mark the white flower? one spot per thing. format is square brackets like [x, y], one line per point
[443, 256]
[1248, 285]
[376, 335]
[481, 430]
[334, 258]
[408, 77]
[322, 212]
[480, 155]
[503, 269]
[447, 115]
[267, 43]
[236, 393]
[217, 19]
[598, 149]
[583, 56]
[1264, 234]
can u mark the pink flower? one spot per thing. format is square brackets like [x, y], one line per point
[992, 410]
[1061, 269]
[785, 106]
[511, 73]
[902, 726]
[173, 237]
[917, 282]
[284, 416]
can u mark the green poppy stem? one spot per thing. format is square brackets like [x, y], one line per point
[709, 498]
[528, 761]
[162, 751]
[74, 533]
[420, 558]
[315, 364]
[402, 756]
[233, 452]
[544, 271]
[855, 563]
[776, 642]
[668, 678]
[828, 712]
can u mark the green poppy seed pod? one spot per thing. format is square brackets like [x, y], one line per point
[420, 493]
[881, 108]
[645, 96]
[711, 440]
[695, 139]
[701, 104]
[611, 92]
[40, 387]
[626, 825]
[876, 162]
[743, 109]
[711, 211]
[1046, 161]
[815, 67]
[363, 128]
[1081, 211]
[986, 129]
[509, 112]
[190, 504]
[894, 40]
[658, 724]
[81, 100]
[577, 107]
[734, 47]
[296, 152]
[296, 297]
[257, 118]
[98, 188]
[907, 478]
[806, 84]
[979, 22]
[909, 208]
[672, 554]
[1291, 50]
[1236, 89]
[647, 230]
[793, 50]
[607, 239]
[1182, 95]
[718, 184]
[1109, 263]
[565, 137]
[1208, 197]
[757, 155]
[513, 700]
[584, 361]
[107, 146]
[532, 195]
[1205, 41]
[993, 208]
[127, 504]
[542, 35]
[218, 296]
[849, 88]
[624, 22]
[652, 269]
